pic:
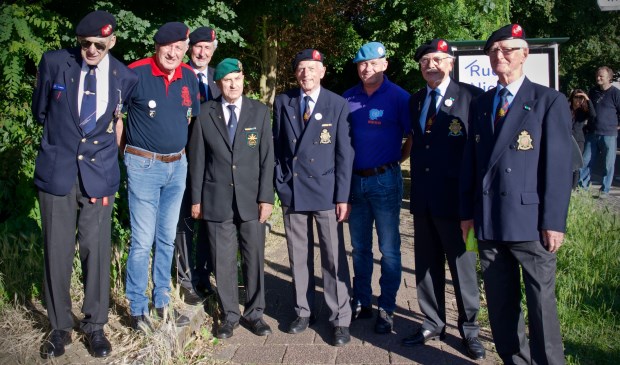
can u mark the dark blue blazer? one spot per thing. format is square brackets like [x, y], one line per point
[436, 156]
[513, 191]
[214, 90]
[313, 164]
[65, 152]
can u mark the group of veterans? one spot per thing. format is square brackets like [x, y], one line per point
[199, 154]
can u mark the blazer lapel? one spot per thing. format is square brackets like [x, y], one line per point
[72, 84]
[216, 114]
[244, 118]
[293, 112]
[418, 103]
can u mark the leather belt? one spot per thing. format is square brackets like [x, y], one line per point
[376, 170]
[155, 156]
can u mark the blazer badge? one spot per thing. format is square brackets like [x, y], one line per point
[455, 128]
[326, 138]
[525, 141]
[252, 139]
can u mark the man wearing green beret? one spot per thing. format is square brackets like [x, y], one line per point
[231, 172]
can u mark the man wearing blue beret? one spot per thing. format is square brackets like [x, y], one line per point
[165, 102]
[515, 190]
[439, 116]
[379, 122]
[78, 99]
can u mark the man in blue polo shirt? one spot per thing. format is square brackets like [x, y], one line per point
[379, 121]
[164, 102]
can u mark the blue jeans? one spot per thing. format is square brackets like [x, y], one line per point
[155, 192]
[594, 143]
[376, 199]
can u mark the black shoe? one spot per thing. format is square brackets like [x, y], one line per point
[55, 344]
[359, 311]
[385, 321]
[341, 336]
[258, 326]
[474, 347]
[98, 344]
[301, 324]
[421, 337]
[141, 323]
[191, 296]
[204, 290]
[180, 320]
[226, 329]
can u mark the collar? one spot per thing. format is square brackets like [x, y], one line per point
[441, 89]
[359, 89]
[512, 87]
[103, 67]
[156, 71]
[237, 103]
[313, 95]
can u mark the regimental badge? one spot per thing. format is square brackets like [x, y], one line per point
[152, 113]
[477, 138]
[448, 102]
[326, 138]
[501, 112]
[524, 141]
[110, 127]
[252, 139]
[455, 128]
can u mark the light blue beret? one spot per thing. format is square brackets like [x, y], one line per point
[370, 51]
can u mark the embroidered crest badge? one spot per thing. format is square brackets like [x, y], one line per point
[326, 138]
[252, 139]
[524, 141]
[455, 128]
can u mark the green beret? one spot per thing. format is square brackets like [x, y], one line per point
[227, 66]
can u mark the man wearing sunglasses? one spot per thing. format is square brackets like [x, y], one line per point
[515, 189]
[439, 113]
[78, 99]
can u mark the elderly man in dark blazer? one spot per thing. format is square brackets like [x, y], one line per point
[439, 115]
[78, 99]
[231, 173]
[314, 160]
[515, 190]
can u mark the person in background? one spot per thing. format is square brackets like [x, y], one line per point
[584, 114]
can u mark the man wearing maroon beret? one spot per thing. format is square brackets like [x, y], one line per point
[78, 99]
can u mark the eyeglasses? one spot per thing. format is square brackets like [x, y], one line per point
[506, 51]
[86, 45]
[436, 60]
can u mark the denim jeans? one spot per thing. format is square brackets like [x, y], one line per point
[155, 192]
[376, 199]
[594, 143]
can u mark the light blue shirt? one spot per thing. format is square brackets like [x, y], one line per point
[513, 88]
[441, 92]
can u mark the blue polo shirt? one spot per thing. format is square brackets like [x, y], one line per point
[378, 123]
[159, 109]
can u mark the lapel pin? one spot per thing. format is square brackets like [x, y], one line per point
[527, 107]
[448, 102]
[318, 116]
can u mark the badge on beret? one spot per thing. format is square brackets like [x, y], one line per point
[442, 46]
[106, 30]
[326, 138]
[455, 128]
[380, 51]
[316, 55]
[524, 141]
[212, 34]
[517, 31]
[252, 139]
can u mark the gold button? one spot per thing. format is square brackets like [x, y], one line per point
[83, 140]
[80, 157]
[96, 142]
[234, 167]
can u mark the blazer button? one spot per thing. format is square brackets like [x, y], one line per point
[310, 176]
[234, 166]
[83, 140]
[311, 160]
[427, 146]
[92, 160]
[512, 147]
[80, 157]
[508, 170]
[486, 192]
[295, 158]
[96, 142]
[231, 184]
[295, 174]
[294, 140]
[427, 169]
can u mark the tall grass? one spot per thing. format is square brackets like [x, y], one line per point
[588, 283]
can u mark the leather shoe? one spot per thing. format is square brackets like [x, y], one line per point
[204, 290]
[191, 296]
[301, 324]
[180, 320]
[385, 321]
[360, 311]
[421, 337]
[341, 336]
[258, 326]
[98, 344]
[474, 347]
[55, 344]
[226, 329]
[141, 323]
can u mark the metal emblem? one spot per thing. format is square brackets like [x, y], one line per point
[252, 138]
[455, 128]
[326, 138]
[152, 113]
[525, 141]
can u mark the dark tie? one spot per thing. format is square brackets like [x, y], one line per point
[204, 96]
[432, 112]
[502, 108]
[232, 124]
[88, 110]
[306, 112]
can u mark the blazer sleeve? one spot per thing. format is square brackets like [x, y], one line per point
[42, 89]
[265, 189]
[196, 159]
[344, 156]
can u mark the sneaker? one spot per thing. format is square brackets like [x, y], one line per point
[385, 321]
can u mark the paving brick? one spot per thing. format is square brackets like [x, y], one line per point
[255, 354]
[317, 354]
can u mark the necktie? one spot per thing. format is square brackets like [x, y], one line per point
[204, 96]
[232, 124]
[502, 108]
[306, 110]
[432, 112]
[88, 110]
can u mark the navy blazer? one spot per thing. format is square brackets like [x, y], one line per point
[221, 173]
[214, 90]
[313, 164]
[436, 156]
[65, 152]
[518, 183]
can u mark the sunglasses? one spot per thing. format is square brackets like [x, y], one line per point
[86, 45]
